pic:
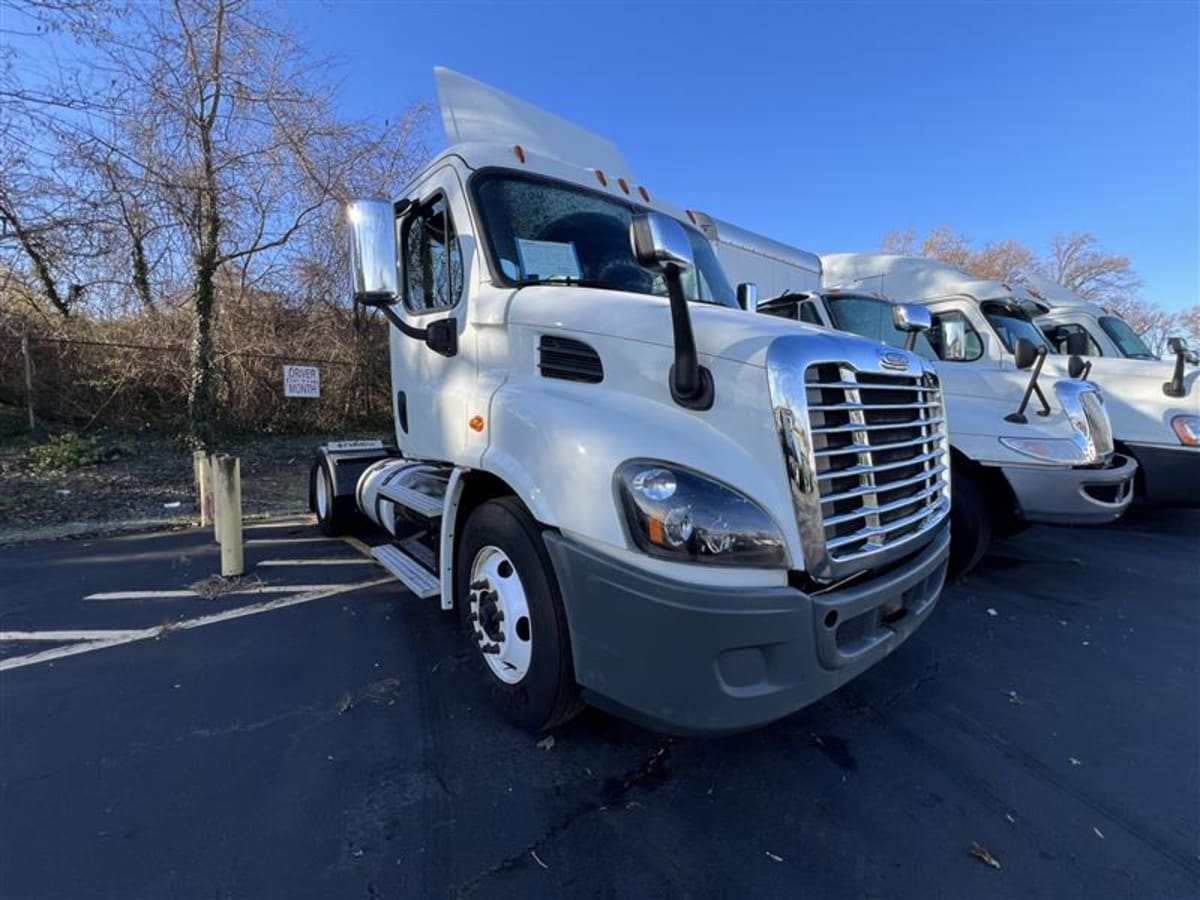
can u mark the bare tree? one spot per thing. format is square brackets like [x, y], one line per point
[1078, 262]
[998, 260]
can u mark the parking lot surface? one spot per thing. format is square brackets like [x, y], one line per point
[320, 735]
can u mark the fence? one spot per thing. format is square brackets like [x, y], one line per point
[86, 380]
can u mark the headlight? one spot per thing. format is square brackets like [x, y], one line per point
[1187, 429]
[1063, 451]
[676, 514]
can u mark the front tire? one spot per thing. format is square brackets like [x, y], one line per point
[512, 616]
[970, 524]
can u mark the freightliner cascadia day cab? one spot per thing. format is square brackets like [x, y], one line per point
[1014, 462]
[1154, 404]
[632, 493]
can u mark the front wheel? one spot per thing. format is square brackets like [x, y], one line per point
[970, 524]
[512, 613]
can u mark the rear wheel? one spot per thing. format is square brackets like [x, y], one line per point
[512, 614]
[970, 524]
[335, 515]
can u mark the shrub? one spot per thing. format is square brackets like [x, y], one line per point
[62, 452]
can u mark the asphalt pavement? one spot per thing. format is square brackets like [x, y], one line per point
[319, 735]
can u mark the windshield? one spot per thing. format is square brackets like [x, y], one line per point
[1012, 323]
[1126, 339]
[540, 230]
[871, 318]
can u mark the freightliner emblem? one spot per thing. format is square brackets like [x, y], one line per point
[893, 359]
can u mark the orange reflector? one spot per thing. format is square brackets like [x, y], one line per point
[519, 151]
[692, 216]
[600, 178]
[624, 184]
[476, 423]
[645, 193]
[654, 527]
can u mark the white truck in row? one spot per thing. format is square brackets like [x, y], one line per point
[1023, 450]
[1154, 404]
[631, 492]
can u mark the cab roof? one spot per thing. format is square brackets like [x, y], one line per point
[907, 278]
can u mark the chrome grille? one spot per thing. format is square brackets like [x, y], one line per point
[881, 463]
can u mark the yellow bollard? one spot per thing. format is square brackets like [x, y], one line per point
[229, 514]
[202, 467]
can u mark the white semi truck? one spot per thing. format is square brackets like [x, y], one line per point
[632, 493]
[1154, 404]
[1022, 452]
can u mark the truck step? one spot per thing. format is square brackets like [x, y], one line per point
[411, 573]
[420, 552]
[423, 504]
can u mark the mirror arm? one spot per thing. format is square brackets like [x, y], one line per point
[1019, 416]
[444, 343]
[1174, 387]
[910, 341]
[691, 383]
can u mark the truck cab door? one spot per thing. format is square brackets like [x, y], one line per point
[430, 389]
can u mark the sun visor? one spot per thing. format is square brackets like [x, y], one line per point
[474, 112]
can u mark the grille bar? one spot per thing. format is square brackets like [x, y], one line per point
[880, 459]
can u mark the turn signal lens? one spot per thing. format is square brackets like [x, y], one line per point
[476, 423]
[1187, 429]
[519, 152]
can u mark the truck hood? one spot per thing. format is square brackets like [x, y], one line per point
[732, 334]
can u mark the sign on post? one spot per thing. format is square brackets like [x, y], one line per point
[301, 381]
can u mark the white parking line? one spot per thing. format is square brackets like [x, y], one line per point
[317, 562]
[263, 542]
[145, 634]
[65, 635]
[189, 593]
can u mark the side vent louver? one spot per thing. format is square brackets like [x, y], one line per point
[560, 357]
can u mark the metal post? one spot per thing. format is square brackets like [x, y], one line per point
[28, 379]
[229, 514]
[215, 494]
[204, 492]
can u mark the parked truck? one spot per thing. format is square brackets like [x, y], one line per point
[1154, 404]
[632, 494]
[1022, 452]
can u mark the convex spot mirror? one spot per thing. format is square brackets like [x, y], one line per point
[1077, 343]
[372, 251]
[747, 295]
[658, 241]
[1025, 352]
[953, 336]
[909, 317]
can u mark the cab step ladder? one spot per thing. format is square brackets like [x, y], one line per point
[411, 573]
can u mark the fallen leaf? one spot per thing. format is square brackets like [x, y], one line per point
[1099, 833]
[346, 704]
[1014, 698]
[980, 852]
[992, 612]
[537, 859]
[1074, 761]
[546, 743]
[1010, 818]
[771, 855]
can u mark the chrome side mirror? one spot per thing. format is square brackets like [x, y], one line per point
[911, 317]
[658, 242]
[953, 339]
[372, 251]
[747, 295]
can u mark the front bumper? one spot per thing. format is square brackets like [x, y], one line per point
[1170, 475]
[693, 659]
[1057, 496]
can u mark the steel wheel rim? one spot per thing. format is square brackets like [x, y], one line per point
[322, 494]
[506, 641]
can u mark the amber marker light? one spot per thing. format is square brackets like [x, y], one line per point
[476, 423]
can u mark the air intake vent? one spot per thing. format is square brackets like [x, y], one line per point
[560, 357]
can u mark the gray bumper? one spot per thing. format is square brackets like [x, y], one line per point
[1055, 496]
[1170, 476]
[693, 659]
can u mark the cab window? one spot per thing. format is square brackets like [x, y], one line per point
[872, 318]
[433, 267]
[1058, 335]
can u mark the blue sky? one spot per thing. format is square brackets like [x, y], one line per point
[828, 125]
